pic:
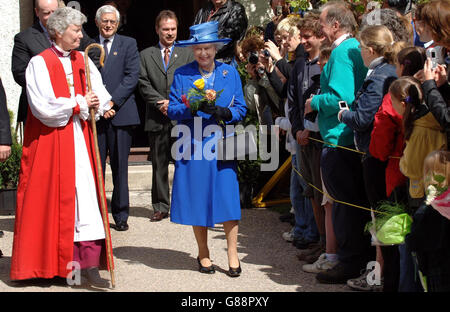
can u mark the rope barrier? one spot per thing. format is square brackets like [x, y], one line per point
[346, 148]
[337, 201]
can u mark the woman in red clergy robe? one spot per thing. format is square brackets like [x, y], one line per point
[58, 224]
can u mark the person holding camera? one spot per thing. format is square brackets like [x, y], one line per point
[280, 11]
[259, 93]
[434, 77]
[280, 69]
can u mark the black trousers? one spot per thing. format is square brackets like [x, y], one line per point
[116, 142]
[343, 178]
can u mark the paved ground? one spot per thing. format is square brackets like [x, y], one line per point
[161, 257]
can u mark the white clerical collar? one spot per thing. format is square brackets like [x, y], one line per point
[102, 39]
[62, 53]
[339, 40]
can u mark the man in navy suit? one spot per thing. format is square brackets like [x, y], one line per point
[120, 75]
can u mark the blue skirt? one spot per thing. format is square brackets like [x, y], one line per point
[205, 192]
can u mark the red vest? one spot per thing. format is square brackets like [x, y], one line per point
[45, 214]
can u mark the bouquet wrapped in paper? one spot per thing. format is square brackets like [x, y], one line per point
[390, 224]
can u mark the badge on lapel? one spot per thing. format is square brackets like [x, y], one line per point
[225, 73]
[115, 53]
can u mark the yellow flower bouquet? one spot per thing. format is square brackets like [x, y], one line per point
[198, 94]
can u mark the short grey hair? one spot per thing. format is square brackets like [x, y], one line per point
[106, 9]
[338, 11]
[391, 20]
[62, 18]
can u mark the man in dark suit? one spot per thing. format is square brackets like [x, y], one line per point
[5, 133]
[158, 64]
[32, 41]
[5, 130]
[120, 75]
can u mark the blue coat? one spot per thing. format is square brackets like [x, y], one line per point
[120, 76]
[367, 102]
[205, 192]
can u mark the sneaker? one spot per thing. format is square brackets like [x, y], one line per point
[360, 283]
[289, 236]
[321, 265]
[339, 274]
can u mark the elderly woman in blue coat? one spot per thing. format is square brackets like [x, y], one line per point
[205, 189]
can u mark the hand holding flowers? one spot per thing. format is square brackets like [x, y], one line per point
[199, 99]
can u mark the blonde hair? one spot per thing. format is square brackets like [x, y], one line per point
[436, 163]
[381, 40]
[290, 24]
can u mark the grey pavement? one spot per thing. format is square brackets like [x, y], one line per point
[161, 256]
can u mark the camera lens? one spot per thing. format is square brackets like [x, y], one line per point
[253, 58]
[266, 53]
[261, 70]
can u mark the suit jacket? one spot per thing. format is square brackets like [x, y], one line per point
[120, 76]
[5, 129]
[155, 82]
[27, 44]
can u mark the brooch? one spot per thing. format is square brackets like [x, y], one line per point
[225, 73]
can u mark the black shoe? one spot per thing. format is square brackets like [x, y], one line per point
[302, 243]
[234, 272]
[340, 274]
[287, 217]
[121, 226]
[207, 270]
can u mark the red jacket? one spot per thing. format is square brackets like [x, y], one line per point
[387, 141]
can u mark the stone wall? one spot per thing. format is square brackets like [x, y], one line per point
[16, 16]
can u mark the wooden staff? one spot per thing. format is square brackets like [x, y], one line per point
[103, 207]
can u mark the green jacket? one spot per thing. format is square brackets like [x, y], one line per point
[341, 78]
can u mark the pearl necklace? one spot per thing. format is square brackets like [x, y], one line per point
[206, 75]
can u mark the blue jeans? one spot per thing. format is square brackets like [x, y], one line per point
[305, 224]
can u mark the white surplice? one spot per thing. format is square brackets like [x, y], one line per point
[56, 112]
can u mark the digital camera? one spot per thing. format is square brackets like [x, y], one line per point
[253, 57]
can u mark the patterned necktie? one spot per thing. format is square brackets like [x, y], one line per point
[105, 46]
[166, 57]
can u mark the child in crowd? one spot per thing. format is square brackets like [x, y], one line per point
[377, 51]
[328, 259]
[386, 144]
[430, 232]
[422, 132]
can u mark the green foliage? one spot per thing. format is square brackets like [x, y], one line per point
[388, 210]
[9, 170]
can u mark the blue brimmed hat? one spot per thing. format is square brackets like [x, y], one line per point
[203, 33]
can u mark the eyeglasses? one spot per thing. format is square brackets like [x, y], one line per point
[112, 22]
